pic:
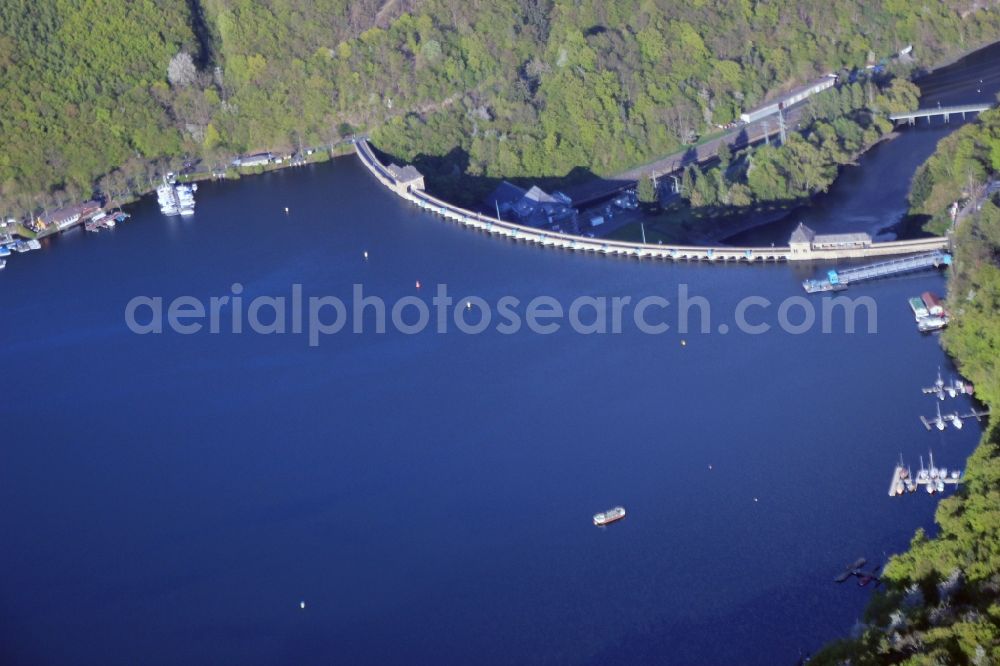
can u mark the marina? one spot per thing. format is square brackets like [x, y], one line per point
[952, 389]
[933, 479]
[104, 220]
[176, 199]
[941, 421]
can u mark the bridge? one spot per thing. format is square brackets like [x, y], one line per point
[407, 183]
[945, 111]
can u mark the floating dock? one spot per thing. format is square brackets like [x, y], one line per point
[933, 479]
[942, 420]
[837, 280]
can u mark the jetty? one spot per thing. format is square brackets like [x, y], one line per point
[954, 388]
[837, 280]
[933, 479]
[804, 245]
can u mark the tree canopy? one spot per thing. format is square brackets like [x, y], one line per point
[504, 88]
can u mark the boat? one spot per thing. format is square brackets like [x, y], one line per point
[167, 199]
[922, 473]
[609, 516]
[933, 303]
[956, 420]
[927, 324]
[819, 286]
[26, 245]
[940, 425]
[185, 199]
[3, 264]
[918, 307]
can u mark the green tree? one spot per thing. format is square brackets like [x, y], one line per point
[646, 191]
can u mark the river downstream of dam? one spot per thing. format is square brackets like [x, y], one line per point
[423, 497]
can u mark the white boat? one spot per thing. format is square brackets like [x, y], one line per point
[928, 324]
[609, 516]
[167, 199]
[3, 264]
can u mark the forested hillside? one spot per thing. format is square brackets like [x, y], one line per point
[505, 87]
[83, 89]
[942, 603]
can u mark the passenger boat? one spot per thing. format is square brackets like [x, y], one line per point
[928, 324]
[918, 307]
[609, 516]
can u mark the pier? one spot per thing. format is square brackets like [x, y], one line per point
[407, 183]
[839, 279]
[933, 480]
[944, 111]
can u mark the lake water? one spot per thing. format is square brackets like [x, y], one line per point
[174, 498]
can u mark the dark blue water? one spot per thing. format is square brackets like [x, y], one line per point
[172, 498]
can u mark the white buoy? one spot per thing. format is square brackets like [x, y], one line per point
[302, 605]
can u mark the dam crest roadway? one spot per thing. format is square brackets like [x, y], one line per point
[804, 245]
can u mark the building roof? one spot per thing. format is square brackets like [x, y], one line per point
[538, 194]
[405, 174]
[66, 213]
[533, 207]
[506, 193]
[802, 234]
[836, 239]
[784, 96]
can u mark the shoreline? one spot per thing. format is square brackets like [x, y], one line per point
[713, 236]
